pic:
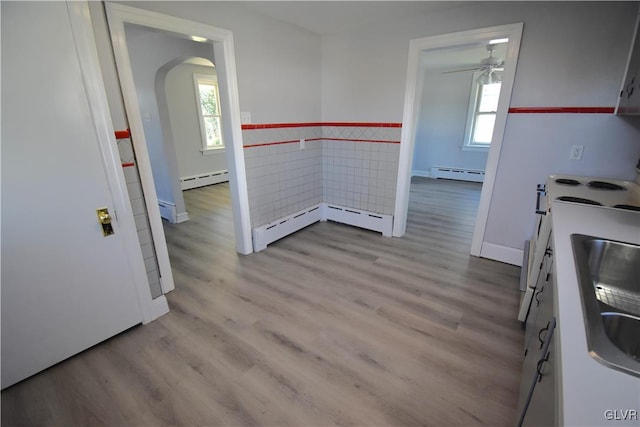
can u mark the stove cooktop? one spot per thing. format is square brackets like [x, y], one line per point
[567, 181]
[604, 185]
[612, 193]
[578, 200]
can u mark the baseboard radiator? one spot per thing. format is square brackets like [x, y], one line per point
[209, 178]
[474, 175]
[276, 230]
[169, 212]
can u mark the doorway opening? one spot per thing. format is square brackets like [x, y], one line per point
[432, 59]
[151, 133]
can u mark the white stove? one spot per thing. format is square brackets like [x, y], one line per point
[601, 192]
[593, 191]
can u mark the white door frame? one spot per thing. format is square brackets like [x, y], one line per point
[85, 44]
[223, 50]
[409, 120]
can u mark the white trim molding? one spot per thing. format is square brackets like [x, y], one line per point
[213, 80]
[223, 50]
[501, 253]
[83, 35]
[410, 119]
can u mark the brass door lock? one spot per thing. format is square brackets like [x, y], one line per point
[105, 220]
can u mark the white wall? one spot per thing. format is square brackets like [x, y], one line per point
[185, 124]
[150, 51]
[278, 64]
[572, 54]
[442, 121]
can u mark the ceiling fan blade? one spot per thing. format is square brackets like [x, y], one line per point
[464, 69]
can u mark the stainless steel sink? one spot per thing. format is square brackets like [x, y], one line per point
[609, 282]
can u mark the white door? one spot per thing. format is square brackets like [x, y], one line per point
[65, 287]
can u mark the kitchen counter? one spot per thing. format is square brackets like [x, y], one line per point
[586, 388]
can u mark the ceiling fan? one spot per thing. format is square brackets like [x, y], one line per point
[491, 66]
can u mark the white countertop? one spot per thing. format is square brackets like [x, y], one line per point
[586, 387]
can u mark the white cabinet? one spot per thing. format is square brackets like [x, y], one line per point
[629, 99]
[541, 408]
[537, 403]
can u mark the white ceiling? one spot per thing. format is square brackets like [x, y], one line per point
[331, 17]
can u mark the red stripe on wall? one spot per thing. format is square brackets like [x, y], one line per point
[561, 110]
[122, 134]
[382, 141]
[363, 124]
[264, 144]
[253, 126]
[128, 165]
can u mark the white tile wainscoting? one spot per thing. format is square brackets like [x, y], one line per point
[293, 168]
[136, 198]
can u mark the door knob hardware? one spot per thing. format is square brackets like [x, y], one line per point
[104, 218]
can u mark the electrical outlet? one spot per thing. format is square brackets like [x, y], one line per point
[576, 152]
[302, 143]
[245, 118]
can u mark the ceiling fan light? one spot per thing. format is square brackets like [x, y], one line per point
[484, 78]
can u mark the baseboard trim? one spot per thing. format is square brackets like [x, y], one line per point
[501, 253]
[182, 217]
[276, 230]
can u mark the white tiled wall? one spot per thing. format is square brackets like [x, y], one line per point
[140, 215]
[351, 166]
[360, 175]
[280, 134]
[283, 179]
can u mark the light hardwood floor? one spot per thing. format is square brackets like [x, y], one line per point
[331, 326]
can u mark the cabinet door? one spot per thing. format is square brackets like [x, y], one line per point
[538, 269]
[541, 408]
[540, 324]
[540, 294]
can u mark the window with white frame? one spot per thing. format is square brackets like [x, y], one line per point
[209, 112]
[483, 106]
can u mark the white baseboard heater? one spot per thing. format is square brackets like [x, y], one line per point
[276, 230]
[169, 212]
[474, 175]
[209, 178]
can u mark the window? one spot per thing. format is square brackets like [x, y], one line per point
[483, 106]
[209, 111]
